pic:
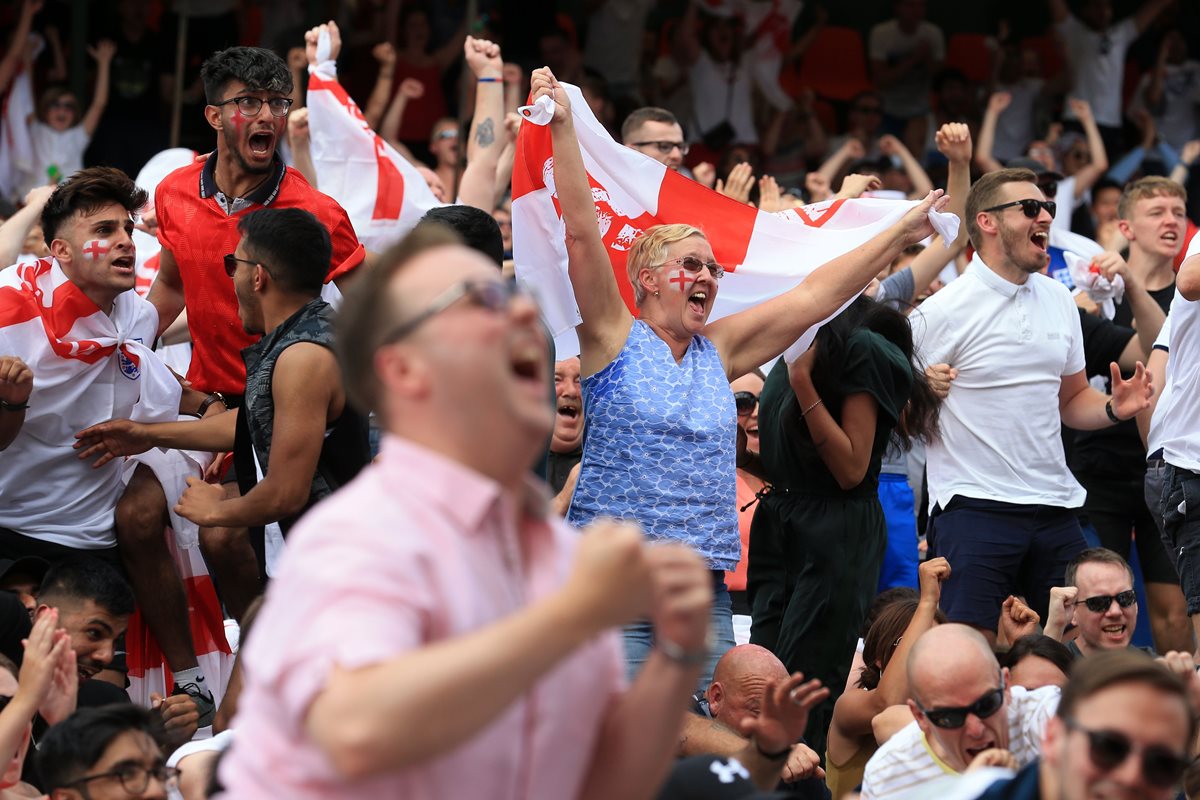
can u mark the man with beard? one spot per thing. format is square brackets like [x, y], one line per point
[199, 206]
[1005, 349]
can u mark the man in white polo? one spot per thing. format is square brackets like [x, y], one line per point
[1004, 344]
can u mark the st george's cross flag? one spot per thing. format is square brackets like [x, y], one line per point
[382, 192]
[764, 254]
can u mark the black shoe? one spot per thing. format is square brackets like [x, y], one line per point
[205, 705]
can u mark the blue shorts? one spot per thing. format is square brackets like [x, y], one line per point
[999, 549]
[901, 558]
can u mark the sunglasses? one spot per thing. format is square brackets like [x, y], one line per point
[1103, 602]
[665, 147]
[951, 718]
[693, 264]
[449, 133]
[1109, 749]
[231, 262]
[1030, 208]
[745, 402]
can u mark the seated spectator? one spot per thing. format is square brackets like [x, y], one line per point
[1035, 661]
[1116, 705]
[1106, 606]
[964, 705]
[108, 752]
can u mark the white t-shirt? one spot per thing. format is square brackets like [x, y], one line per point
[61, 149]
[45, 490]
[906, 761]
[1180, 403]
[1158, 421]
[1000, 425]
[718, 89]
[1067, 203]
[1098, 59]
[909, 96]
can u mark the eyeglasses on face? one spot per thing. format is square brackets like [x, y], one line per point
[250, 106]
[693, 264]
[951, 718]
[134, 778]
[1109, 750]
[1103, 602]
[665, 147]
[490, 295]
[231, 262]
[1029, 207]
[745, 402]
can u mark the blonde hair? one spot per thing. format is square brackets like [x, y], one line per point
[1144, 189]
[650, 250]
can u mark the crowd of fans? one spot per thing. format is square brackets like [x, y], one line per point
[947, 550]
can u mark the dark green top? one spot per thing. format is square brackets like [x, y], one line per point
[872, 365]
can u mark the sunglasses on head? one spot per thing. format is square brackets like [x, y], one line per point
[951, 718]
[693, 264]
[1109, 749]
[1102, 602]
[1029, 207]
[745, 402]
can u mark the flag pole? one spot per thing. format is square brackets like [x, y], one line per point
[180, 61]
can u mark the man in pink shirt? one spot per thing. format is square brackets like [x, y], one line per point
[434, 631]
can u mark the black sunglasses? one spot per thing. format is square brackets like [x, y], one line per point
[1102, 602]
[951, 718]
[1109, 749]
[745, 402]
[1029, 207]
[231, 262]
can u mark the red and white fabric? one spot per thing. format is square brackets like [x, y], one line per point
[382, 192]
[763, 254]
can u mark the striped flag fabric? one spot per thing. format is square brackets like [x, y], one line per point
[382, 192]
[764, 254]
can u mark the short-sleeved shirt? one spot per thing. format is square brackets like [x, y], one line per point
[1181, 409]
[57, 151]
[418, 549]
[1098, 61]
[198, 225]
[909, 96]
[1158, 421]
[1012, 344]
[907, 760]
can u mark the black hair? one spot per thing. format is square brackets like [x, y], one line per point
[920, 415]
[83, 577]
[1036, 644]
[87, 191]
[292, 245]
[882, 601]
[477, 228]
[948, 75]
[71, 748]
[260, 69]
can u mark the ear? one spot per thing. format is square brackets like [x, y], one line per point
[1052, 739]
[649, 280]
[985, 222]
[1125, 229]
[402, 371]
[262, 278]
[61, 250]
[716, 695]
[212, 114]
[922, 722]
[41, 609]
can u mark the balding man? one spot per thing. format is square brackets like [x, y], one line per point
[436, 588]
[657, 133]
[963, 705]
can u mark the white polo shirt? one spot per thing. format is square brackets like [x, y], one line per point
[1000, 425]
[1180, 404]
[906, 761]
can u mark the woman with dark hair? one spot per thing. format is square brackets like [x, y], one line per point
[819, 537]
[883, 679]
[1035, 661]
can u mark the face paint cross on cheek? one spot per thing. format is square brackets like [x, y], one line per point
[96, 249]
[681, 278]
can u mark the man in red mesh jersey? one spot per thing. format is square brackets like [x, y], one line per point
[199, 207]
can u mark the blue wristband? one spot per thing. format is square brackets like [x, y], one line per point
[491, 80]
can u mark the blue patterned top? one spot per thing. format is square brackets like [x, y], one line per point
[660, 446]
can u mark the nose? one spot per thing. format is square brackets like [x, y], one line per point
[973, 728]
[522, 307]
[104, 653]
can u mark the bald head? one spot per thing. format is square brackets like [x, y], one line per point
[945, 656]
[740, 681]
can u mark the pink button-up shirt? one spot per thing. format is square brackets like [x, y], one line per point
[415, 550]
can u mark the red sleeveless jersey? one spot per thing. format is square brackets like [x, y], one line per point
[194, 227]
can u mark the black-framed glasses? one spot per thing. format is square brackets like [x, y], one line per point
[1108, 750]
[745, 402]
[951, 718]
[134, 778]
[491, 295]
[231, 262]
[250, 106]
[1029, 207]
[1102, 602]
[693, 264]
[665, 147]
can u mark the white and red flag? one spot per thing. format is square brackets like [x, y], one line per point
[382, 192]
[763, 254]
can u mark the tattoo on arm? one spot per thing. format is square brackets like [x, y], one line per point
[485, 135]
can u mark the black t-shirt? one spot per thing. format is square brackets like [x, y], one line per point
[136, 69]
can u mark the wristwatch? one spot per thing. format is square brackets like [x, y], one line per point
[208, 401]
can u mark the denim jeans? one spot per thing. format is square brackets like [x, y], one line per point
[639, 636]
[1181, 529]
